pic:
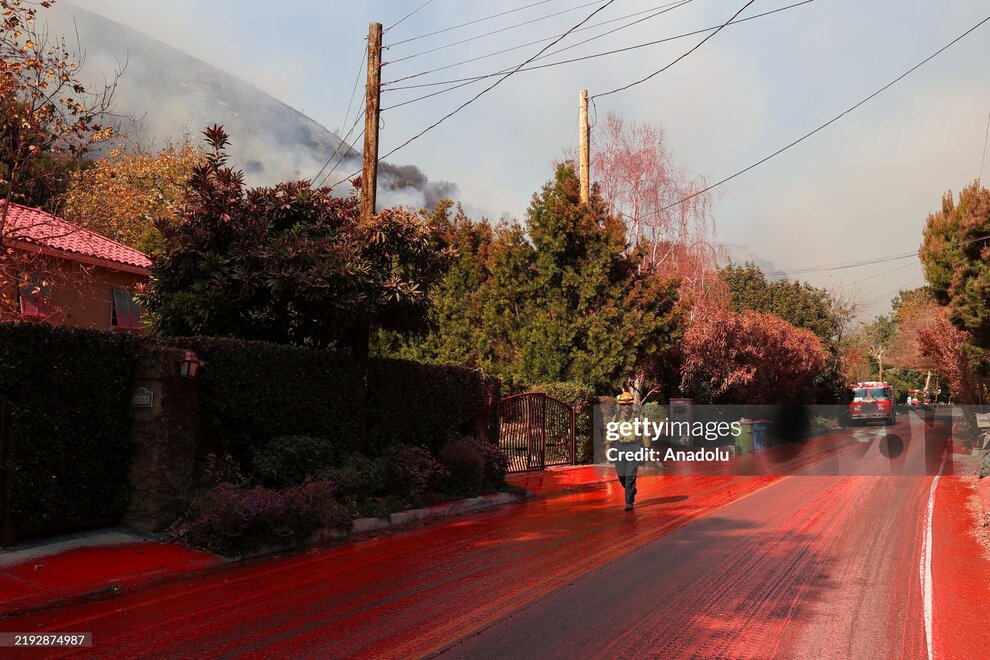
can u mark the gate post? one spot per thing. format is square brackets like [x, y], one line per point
[7, 530]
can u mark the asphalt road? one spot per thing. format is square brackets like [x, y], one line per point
[824, 555]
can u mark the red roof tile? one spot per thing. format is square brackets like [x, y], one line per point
[30, 225]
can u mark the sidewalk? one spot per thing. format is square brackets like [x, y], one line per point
[70, 568]
[77, 567]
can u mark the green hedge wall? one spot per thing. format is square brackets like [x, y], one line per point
[424, 404]
[251, 392]
[69, 393]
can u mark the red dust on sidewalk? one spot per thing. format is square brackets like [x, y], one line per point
[960, 569]
[79, 572]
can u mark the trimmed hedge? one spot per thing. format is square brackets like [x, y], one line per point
[252, 392]
[69, 391]
[423, 404]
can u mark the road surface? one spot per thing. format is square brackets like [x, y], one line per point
[825, 555]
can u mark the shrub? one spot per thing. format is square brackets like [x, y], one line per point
[582, 398]
[413, 473]
[465, 466]
[289, 459]
[404, 477]
[495, 461]
[69, 393]
[230, 521]
[222, 469]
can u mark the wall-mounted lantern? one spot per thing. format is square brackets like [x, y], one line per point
[189, 365]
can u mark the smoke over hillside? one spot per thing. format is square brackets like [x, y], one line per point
[172, 94]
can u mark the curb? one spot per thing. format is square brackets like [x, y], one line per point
[368, 525]
[327, 535]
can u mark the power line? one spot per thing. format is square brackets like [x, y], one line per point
[691, 50]
[662, 9]
[829, 122]
[350, 102]
[414, 11]
[477, 20]
[350, 145]
[594, 55]
[853, 264]
[488, 34]
[870, 261]
[892, 292]
[497, 82]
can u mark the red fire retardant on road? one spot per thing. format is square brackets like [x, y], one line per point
[84, 570]
[960, 573]
[806, 563]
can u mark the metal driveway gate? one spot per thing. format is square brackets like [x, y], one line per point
[536, 431]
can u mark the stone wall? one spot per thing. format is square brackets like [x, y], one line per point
[165, 436]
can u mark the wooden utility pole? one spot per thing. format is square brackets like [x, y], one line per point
[372, 109]
[585, 148]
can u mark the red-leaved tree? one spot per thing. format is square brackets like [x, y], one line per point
[749, 357]
[640, 180]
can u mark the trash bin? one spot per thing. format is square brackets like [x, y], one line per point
[760, 438]
[744, 441]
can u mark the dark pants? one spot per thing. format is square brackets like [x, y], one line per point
[625, 469]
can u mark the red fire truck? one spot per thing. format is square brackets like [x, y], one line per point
[872, 400]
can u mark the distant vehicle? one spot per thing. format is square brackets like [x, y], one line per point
[919, 398]
[871, 401]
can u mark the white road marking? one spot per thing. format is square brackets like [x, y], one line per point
[926, 560]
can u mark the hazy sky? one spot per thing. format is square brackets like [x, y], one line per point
[860, 189]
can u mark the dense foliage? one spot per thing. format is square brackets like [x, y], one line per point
[561, 298]
[800, 304]
[955, 254]
[253, 392]
[749, 357]
[230, 520]
[287, 264]
[425, 404]
[69, 393]
[125, 195]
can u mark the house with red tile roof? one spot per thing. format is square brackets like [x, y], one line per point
[54, 271]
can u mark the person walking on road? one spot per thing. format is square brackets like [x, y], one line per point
[626, 465]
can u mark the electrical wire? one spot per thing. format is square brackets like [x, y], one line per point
[414, 11]
[689, 51]
[344, 154]
[475, 21]
[350, 102]
[828, 123]
[595, 55]
[493, 32]
[474, 98]
[528, 43]
[867, 262]
[893, 292]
